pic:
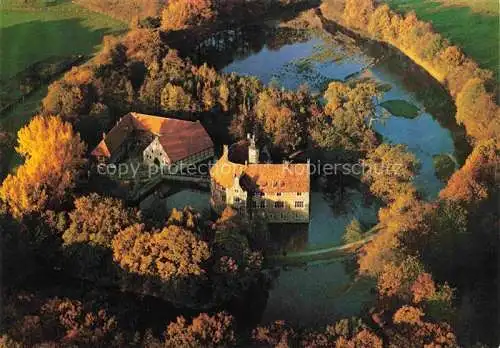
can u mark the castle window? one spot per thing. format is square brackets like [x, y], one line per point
[299, 193]
[236, 199]
[299, 204]
[283, 216]
[278, 194]
[254, 204]
[279, 204]
[263, 204]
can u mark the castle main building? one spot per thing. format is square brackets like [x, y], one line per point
[277, 192]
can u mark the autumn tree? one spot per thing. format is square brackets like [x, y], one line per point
[345, 123]
[170, 261]
[174, 98]
[37, 321]
[94, 222]
[277, 334]
[398, 279]
[71, 96]
[53, 154]
[97, 219]
[279, 120]
[405, 217]
[390, 170]
[353, 232]
[475, 181]
[412, 330]
[237, 266]
[204, 331]
[363, 339]
[357, 12]
[380, 23]
[187, 218]
[180, 14]
[474, 97]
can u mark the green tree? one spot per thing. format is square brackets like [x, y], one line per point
[353, 232]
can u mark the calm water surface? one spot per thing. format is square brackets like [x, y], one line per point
[308, 62]
[320, 293]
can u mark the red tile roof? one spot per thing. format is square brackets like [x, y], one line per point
[267, 178]
[179, 138]
[115, 137]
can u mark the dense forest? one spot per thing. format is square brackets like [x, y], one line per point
[79, 266]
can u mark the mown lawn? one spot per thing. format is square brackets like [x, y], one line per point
[36, 30]
[475, 30]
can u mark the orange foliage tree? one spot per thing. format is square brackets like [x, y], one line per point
[204, 331]
[180, 14]
[411, 330]
[476, 179]
[53, 154]
[97, 219]
[172, 252]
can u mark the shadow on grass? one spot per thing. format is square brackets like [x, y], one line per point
[26, 43]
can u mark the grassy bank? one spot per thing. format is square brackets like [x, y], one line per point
[36, 32]
[473, 25]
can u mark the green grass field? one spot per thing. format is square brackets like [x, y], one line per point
[475, 30]
[34, 30]
[401, 108]
[29, 33]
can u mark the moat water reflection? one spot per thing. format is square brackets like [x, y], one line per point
[319, 293]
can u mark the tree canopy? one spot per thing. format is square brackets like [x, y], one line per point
[53, 154]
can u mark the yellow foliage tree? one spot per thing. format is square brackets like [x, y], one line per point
[478, 111]
[167, 254]
[390, 170]
[179, 14]
[53, 153]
